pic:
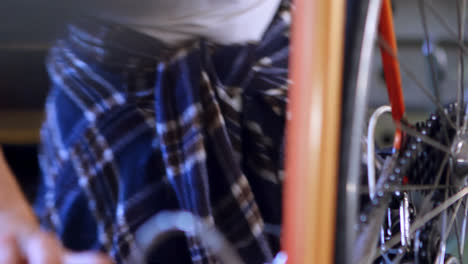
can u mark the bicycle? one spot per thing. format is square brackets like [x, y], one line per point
[409, 211]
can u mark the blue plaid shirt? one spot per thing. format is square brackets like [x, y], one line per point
[134, 128]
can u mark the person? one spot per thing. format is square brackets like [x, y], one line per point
[168, 106]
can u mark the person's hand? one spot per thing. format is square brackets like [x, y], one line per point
[21, 239]
[22, 242]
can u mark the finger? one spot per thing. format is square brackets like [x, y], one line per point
[86, 258]
[9, 250]
[43, 248]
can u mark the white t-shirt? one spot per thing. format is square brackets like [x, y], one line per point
[176, 21]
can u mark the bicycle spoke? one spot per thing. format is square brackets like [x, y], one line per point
[463, 229]
[457, 235]
[461, 31]
[408, 188]
[399, 257]
[418, 83]
[451, 222]
[445, 230]
[444, 23]
[433, 74]
[362, 252]
[386, 258]
[425, 138]
[427, 199]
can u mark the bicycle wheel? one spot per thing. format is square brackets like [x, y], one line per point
[418, 202]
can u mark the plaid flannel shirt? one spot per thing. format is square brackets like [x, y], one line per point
[134, 127]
